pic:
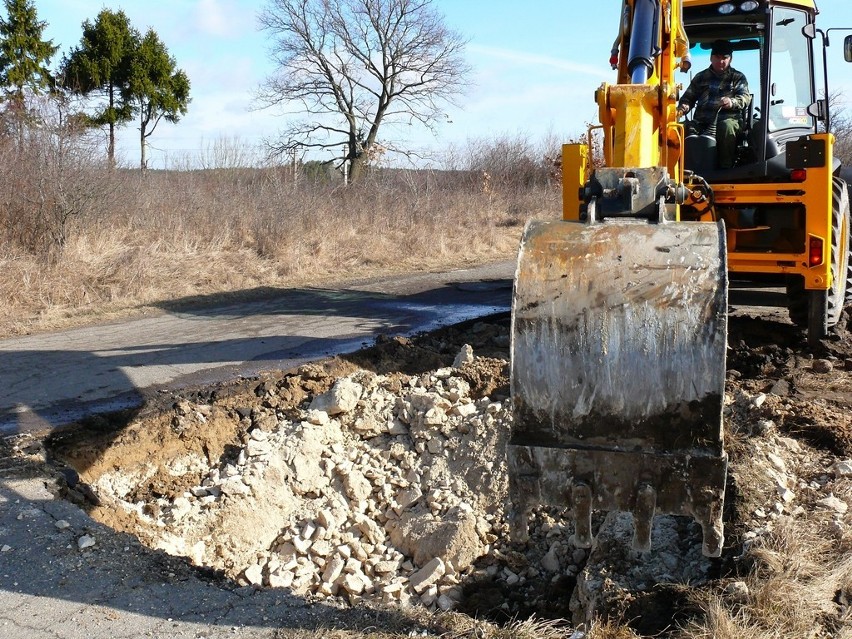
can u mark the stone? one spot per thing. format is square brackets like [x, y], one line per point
[427, 576]
[843, 468]
[452, 537]
[254, 574]
[822, 366]
[342, 397]
[737, 591]
[465, 356]
[352, 583]
[464, 410]
[833, 503]
[550, 561]
[86, 541]
[357, 486]
[333, 569]
[781, 388]
[281, 579]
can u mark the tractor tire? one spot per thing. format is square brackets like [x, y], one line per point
[843, 190]
[819, 311]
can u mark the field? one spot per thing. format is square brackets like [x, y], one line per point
[80, 242]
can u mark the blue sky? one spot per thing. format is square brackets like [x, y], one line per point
[536, 66]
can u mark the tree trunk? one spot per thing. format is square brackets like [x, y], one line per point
[143, 144]
[356, 168]
[111, 147]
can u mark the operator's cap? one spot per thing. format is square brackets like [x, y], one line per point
[722, 47]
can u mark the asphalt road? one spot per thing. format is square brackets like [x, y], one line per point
[50, 380]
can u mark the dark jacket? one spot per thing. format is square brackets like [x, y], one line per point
[707, 88]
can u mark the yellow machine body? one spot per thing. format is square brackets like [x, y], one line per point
[619, 313]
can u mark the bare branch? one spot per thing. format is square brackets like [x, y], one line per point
[352, 65]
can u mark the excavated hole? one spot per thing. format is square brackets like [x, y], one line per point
[398, 499]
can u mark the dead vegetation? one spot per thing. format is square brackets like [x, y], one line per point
[80, 242]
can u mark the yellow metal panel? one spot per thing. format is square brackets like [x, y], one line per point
[575, 163]
[815, 194]
[807, 4]
[636, 142]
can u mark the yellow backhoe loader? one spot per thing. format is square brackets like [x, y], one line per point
[619, 311]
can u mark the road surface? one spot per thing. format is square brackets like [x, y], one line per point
[48, 381]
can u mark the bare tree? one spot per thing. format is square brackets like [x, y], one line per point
[350, 66]
[841, 126]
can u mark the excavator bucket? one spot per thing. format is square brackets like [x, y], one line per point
[619, 333]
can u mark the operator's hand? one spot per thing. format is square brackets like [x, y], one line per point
[682, 111]
[726, 103]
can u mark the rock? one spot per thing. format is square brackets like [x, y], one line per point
[409, 496]
[464, 410]
[254, 574]
[333, 569]
[181, 507]
[453, 538]
[340, 398]
[550, 561]
[235, 487]
[86, 541]
[786, 494]
[357, 486]
[353, 583]
[61, 524]
[427, 576]
[822, 366]
[833, 503]
[281, 579]
[843, 468]
[446, 603]
[737, 591]
[776, 461]
[781, 388]
[465, 356]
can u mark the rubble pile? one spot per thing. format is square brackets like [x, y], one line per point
[378, 491]
[392, 489]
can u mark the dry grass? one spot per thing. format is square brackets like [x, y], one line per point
[796, 573]
[182, 235]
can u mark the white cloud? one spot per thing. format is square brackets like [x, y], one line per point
[222, 18]
[534, 61]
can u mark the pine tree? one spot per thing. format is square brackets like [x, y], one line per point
[156, 89]
[101, 65]
[24, 55]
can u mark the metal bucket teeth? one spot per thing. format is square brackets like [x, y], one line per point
[618, 368]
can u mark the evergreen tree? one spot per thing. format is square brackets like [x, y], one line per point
[101, 65]
[156, 89]
[24, 55]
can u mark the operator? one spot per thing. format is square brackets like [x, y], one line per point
[719, 95]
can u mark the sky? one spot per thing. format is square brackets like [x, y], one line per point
[536, 65]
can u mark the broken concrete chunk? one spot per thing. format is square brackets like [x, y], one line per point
[340, 398]
[428, 575]
[465, 356]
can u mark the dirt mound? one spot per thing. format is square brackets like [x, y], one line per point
[380, 478]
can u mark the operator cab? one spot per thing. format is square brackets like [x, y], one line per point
[775, 55]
